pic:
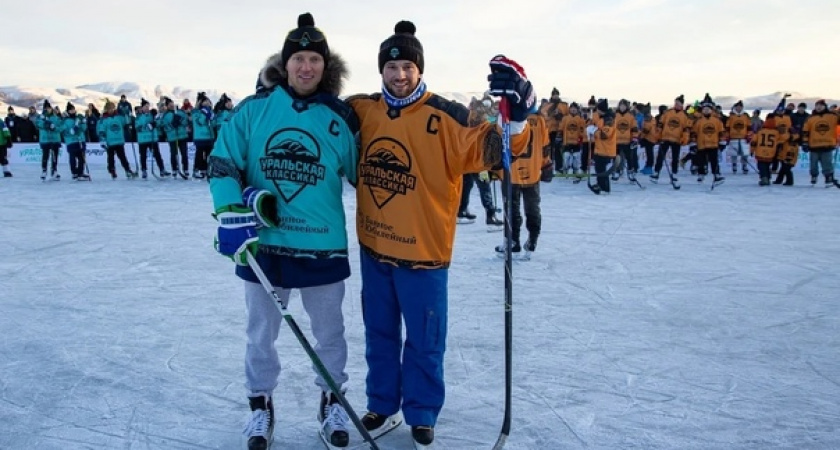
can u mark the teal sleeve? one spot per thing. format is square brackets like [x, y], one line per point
[227, 161]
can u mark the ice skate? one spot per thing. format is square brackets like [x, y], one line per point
[259, 429]
[378, 425]
[334, 420]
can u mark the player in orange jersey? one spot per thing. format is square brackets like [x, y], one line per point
[415, 146]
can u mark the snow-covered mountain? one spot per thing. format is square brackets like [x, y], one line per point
[22, 97]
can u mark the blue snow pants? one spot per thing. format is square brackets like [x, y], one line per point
[410, 375]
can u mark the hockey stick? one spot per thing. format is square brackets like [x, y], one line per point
[507, 186]
[316, 361]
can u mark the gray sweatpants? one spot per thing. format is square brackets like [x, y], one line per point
[323, 305]
[824, 158]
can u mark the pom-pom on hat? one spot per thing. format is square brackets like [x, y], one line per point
[739, 103]
[69, 107]
[305, 37]
[554, 92]
[680, 99]
[402, 45]
[144, 102]
[707, 101]
[46, 105]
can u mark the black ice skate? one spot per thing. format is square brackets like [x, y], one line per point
[378, 424]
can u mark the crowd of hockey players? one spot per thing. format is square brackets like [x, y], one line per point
[702, 132]
[118, 124]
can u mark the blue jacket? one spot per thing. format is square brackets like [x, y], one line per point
[73, 129]
[111, 129]
[49, 129]
[174, 123]
[146, 128]
[202, 123]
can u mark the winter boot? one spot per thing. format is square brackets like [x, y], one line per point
[515, 248]
[378, 424]
[465, 217]
[333, 420]
[423, 435]
[492, 220]
[530, 244]
[260, 427]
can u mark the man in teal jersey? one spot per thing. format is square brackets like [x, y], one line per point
[49, 137]
[276, 174]
[73, 131]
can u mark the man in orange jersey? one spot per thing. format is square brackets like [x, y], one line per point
[672, 125]
[573, 128]
[627, 140]
[737, 129]
[706, 134]
[649, 136]
[525, 174]
[602, 134]
[554, 110]
[765, 146]
[415, 146]
[820, 139]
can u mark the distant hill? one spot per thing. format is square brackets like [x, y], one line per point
[22, 97]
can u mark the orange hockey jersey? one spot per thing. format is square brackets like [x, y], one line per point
[738, 125]
[673, 125]
[410, 170]
[707, 132]
[626, 127]
[525, 169]
[819, 130]
[764, 144]
[605, 141]
[550, 111]
[649, 131]
[573, 129]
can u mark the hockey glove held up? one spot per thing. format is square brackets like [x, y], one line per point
[507, 79]
[264, 206]
[237, 233]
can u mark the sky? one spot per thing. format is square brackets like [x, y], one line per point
[643, 50]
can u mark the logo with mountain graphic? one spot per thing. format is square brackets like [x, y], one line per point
[292, 162]
[386, 170]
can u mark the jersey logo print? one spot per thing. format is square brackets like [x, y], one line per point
[386, 170]
[292, 162]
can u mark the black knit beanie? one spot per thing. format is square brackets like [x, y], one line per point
[305, 37]
[402, 45]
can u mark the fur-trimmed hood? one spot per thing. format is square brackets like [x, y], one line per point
[273, 74]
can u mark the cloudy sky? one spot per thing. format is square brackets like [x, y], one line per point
[648, 50]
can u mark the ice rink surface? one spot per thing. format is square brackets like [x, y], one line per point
[653, 319]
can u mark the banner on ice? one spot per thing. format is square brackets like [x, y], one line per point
[95, 152]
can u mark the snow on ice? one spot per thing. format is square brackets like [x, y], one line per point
[647, 319]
